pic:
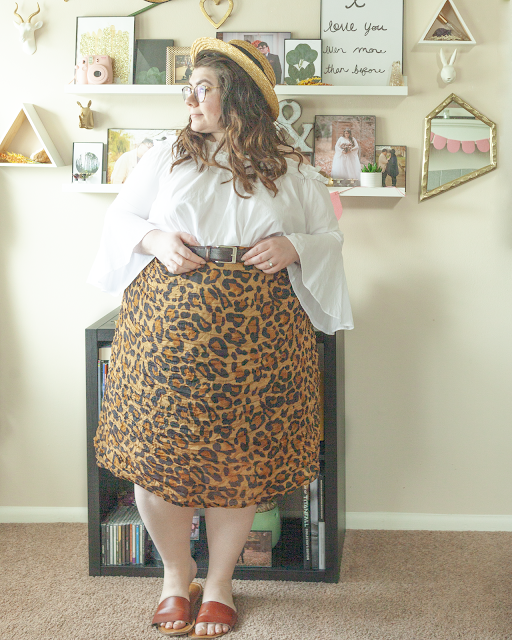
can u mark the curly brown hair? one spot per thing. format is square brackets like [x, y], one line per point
[251, 140]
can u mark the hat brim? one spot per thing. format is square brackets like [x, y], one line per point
[264, 79]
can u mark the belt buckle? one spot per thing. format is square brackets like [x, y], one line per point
[233, 254]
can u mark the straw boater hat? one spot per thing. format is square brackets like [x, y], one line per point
[250, 59]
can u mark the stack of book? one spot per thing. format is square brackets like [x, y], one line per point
[313, 524]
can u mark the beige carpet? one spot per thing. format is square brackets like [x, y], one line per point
[396, 585]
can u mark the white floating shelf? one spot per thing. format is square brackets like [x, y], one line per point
[372, 192]
[83, 187]
[281, 90]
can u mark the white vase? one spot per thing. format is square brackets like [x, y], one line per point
[371, 179]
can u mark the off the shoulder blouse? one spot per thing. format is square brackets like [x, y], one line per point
[206, 206]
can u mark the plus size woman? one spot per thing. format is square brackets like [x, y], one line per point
[229, 255]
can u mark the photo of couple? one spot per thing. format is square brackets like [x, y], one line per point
[391, 159]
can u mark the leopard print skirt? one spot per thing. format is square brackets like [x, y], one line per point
[211, 398]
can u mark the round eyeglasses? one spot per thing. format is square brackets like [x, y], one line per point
[199, 92]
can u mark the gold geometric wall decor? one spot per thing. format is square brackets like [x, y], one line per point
[28, 132]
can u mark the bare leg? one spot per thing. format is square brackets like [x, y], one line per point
[227, 531]
[169, 527]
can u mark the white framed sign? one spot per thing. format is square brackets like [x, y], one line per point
[360, 41]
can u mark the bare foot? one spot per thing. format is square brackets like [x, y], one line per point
[218, 592]
[177, 585]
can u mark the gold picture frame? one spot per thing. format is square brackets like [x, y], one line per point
[173, 74]
[453, 98]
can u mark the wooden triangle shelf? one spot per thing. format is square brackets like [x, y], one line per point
[32, 136]
[448, 19]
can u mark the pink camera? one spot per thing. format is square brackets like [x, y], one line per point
[94, 70]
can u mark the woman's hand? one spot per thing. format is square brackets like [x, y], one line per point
[272, 254]
[170, 249]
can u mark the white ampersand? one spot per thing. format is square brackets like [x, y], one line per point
[297, 140]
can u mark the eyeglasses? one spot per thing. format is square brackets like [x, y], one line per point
[199, 92]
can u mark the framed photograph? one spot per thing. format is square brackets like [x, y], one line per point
[110, 36]
[270, 44]
[87, 163]
[257, 551]
[179, 65]
[361, 41]
[303, 60]
[343, 144]
[392, 159]
[150, 61]
[127, 146]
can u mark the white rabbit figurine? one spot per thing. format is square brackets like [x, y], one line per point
[448, 73]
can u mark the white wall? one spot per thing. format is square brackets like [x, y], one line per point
[428, 365]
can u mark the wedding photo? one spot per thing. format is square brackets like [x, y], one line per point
[343, 144]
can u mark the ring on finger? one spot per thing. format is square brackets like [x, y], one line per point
[270, 264]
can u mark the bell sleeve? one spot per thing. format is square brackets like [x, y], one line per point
[319, 281]
[127, 222]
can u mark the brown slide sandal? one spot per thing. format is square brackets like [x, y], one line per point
[215, 613]
[175, 608]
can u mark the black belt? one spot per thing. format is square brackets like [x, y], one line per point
[220, 253]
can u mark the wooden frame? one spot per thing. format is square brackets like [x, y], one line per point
[28, 113]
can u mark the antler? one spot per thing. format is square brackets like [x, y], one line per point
[35, 14]
[17, 14]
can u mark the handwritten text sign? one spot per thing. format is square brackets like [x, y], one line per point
[360, 40]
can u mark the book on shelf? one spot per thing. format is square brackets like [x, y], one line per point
[306, 527]
[103, 362]
[313, 517]
[321, 521]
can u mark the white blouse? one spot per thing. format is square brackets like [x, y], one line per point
[206, 206]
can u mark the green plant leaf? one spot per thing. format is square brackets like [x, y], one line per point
[288, 80]
[293, 72]
[293, 57]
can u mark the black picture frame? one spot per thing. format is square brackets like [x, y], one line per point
[150, 54]
[275, 41]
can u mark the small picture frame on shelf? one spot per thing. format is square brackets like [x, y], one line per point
[270, 44]
[151, 61]
[127, 146]
[343, 144]
[392, 160]
[108, 36]
[303, 60]
[257, 551]
[178, 65]
[87, 163]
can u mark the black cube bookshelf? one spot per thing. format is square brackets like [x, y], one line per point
[287, 556]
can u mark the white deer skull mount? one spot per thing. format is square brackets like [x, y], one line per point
[27, 31]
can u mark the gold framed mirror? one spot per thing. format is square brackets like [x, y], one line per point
[459, 146]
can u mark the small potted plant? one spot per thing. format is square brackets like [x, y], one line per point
[371, 175]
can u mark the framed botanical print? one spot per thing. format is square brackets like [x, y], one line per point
[151, 60]
[110, 36]
[87, 163]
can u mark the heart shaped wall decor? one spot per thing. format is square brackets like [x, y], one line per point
[226, 15]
